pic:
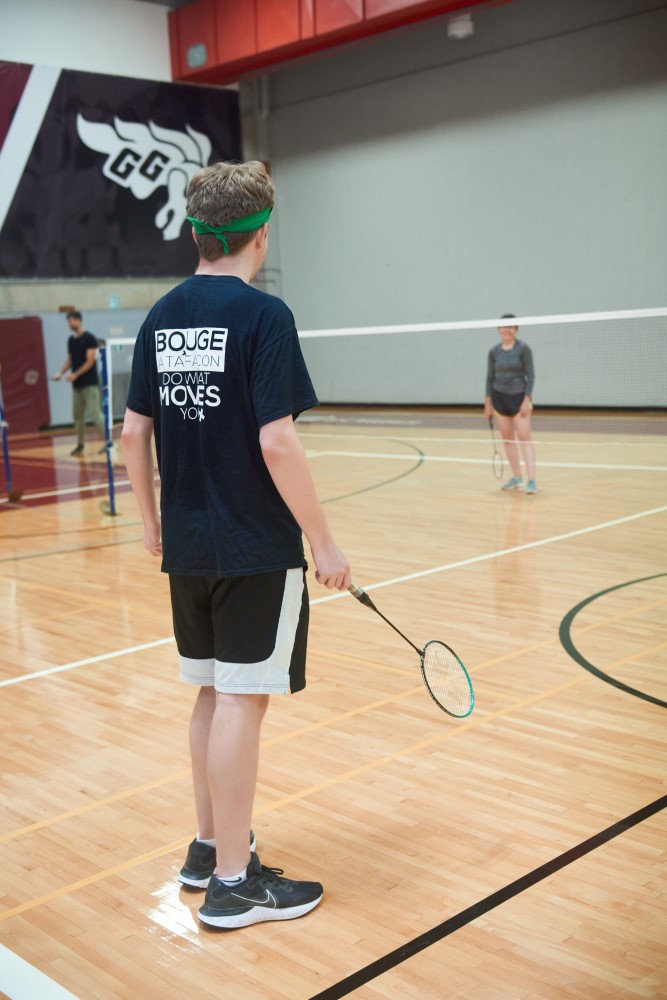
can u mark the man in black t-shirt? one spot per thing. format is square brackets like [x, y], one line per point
[82, 359]
[218, 377]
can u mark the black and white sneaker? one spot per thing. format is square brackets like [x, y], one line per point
[200, 863]
[263, 895]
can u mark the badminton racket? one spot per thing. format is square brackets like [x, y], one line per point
[443, 673]
[14, 495]
[497, 457]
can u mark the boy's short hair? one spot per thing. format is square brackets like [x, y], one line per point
[223, 193]
[74, 314]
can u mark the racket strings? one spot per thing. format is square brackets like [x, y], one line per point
[447, 679]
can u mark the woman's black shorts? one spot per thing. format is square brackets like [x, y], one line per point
[507, 404]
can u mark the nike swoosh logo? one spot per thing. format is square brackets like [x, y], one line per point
[269, 898]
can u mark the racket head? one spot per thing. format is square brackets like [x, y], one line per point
[447, 680]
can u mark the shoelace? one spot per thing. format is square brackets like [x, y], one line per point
[272, 872]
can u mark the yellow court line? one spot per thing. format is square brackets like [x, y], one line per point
[512, 654]
[279, 803]
[303, 730]
[185, 772]
[90, 806]
[100, 601]
[622, 614]
[90, 879]
[385, 668]
[450, 734]
[554, 639]
[49, 618]
[401, 672]
[311, 790]
[635, 656]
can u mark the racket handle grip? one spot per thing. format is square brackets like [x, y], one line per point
[361, 595]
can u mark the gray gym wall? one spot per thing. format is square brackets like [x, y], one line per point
[422, 179]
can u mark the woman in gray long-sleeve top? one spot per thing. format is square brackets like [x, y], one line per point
[509, 389]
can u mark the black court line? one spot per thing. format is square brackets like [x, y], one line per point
[385, 482]
[465, 917]
[67, 552]
[571, 649]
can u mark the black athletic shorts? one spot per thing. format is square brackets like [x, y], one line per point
[243, 634]
[507, 404]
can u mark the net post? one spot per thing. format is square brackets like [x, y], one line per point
[109, 508]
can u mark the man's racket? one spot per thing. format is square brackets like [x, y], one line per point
[497, 457]
[444, 675]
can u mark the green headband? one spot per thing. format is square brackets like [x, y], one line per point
[244, 225]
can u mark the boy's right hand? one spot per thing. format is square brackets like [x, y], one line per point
[332, 568]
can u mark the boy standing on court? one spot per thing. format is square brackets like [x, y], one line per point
[218, 377]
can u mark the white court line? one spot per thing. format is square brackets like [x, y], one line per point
[376, 586]
[23, 132]
[84, 663]
[22, 981]
[485, 461]
[637, 439]
[500, 552]
[66, 490]
[70, 489]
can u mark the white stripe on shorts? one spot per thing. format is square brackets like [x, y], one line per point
[270, 676]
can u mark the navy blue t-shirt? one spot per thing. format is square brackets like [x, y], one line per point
[216, 360]
[77, 348]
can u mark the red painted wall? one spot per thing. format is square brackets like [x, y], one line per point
[23, 374]
[222, 41]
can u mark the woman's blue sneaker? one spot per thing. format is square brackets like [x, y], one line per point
[514, 484]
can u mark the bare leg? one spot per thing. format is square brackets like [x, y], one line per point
[506, 428]
[233, 758]
[200, 731]
[522, 427]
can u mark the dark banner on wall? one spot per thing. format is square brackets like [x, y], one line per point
[94, 170]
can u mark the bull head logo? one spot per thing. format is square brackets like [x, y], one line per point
[144, 158]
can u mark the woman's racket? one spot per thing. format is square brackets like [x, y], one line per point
[497, 457]
[444, 675]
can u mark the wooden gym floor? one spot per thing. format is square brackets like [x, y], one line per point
[517, 854]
